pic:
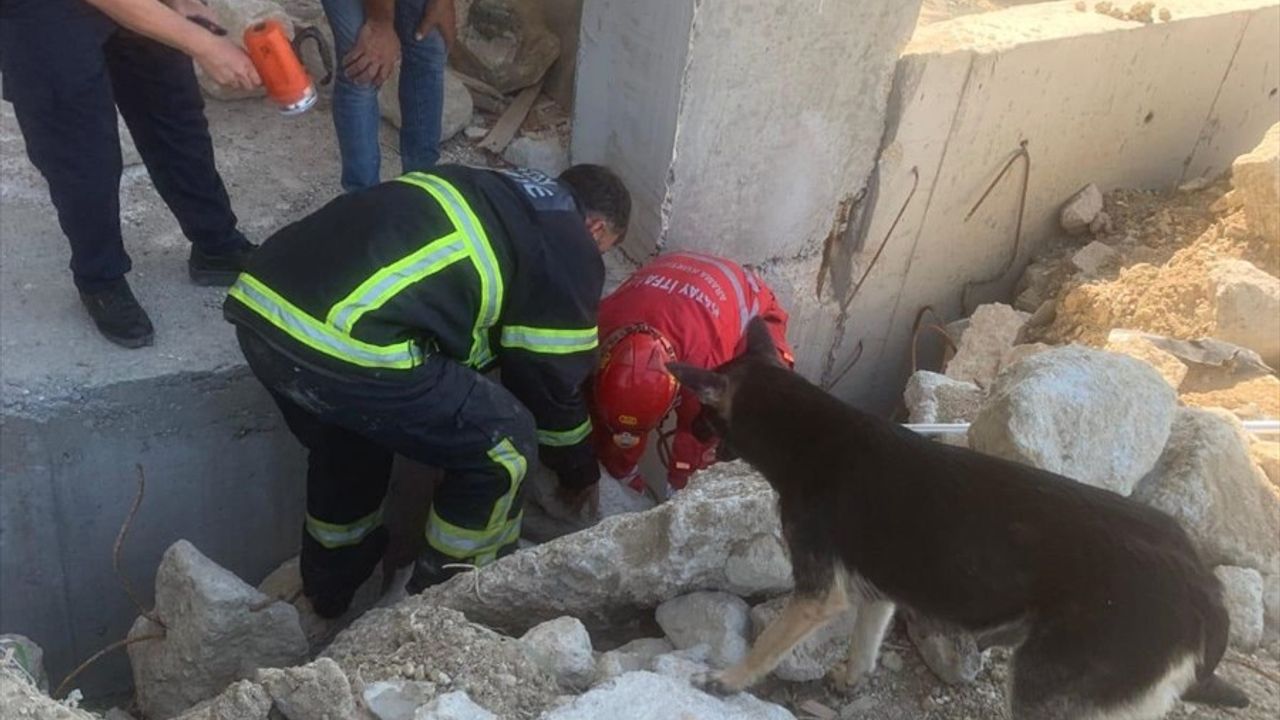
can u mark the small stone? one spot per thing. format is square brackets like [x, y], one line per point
[318, 691]
[1080, 211]
[1246, 305]
[562, 647]
[993, 329]
[951, 653]
[683, 665]
[453, 706]
[664, 697]
[1094, 257]
[1243, 596]
[475, 132]
[891, 661]
[1101, 224]
[546, 153]
[397, 699]
[716, 619]
[635, 655]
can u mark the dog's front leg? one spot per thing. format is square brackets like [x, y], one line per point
[801, 616]
[864, 646]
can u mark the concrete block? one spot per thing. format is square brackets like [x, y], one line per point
[1246, 305]
[1256, 176]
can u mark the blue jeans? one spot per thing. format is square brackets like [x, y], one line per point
[355, 107]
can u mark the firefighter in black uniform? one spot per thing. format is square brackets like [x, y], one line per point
[372, 321]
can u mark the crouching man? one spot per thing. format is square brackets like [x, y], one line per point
[682, 307]
[371, 323]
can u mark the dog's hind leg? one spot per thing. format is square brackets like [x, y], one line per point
[869, 627]
[801, 616]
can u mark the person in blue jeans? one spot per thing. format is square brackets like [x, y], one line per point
[371, 36]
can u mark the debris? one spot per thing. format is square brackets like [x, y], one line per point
[397, 699]
[1101, 224]
[934, 398]
[760, 563]
[718, 620]
[20, 653]
[814, 657]
[235, 16]
[1256, 179]
[1081, 210]
[950, 652]
[664, 697]
[243, 700]
[1139, 346]
[318, 691]
[505, 43]
[1111, 416]
[1206, 479]
[1266, 455]
[453, 706]
[563, 648]
[458, 106]
[609, 575]
[20, 698]
[545, 152]
[509, 124]
[418, 641]
[1094, 257]
[475, 132]
[218, 629]
[683, 665]
[635, 655]
[1256, 399]
[1242, 595]
[1246, 307]
[993, 329]
[818, 711]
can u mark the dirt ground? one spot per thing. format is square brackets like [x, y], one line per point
[904, 689]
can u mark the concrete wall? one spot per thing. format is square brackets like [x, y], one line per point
[1096, 100]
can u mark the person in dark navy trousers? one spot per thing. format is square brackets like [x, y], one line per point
[67, 66]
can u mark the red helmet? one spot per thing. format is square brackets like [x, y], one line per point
[633, 390]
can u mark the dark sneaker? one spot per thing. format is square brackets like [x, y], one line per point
[429, 570]
[118, 315]
[219, 270]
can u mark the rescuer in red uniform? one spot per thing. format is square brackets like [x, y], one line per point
[684, 307]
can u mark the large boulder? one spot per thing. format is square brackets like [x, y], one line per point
[244, 700]
[1256, 178]
[1246, 307]
[455, 115]
[1242, 595]
[718, 620]
[649, 695]
[505, 43]
[236, 16]
[318, 691]
[817, 654]
[612, 575]
[419, 642]
[563, 648]
[1206, 479]
[1096, 417]
[992, 332]
[216, 630]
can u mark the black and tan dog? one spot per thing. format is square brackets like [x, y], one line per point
[1115, 614]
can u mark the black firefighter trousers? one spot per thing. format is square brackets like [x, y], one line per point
[441, 414]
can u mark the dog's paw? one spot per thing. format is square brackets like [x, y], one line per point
[716, 683]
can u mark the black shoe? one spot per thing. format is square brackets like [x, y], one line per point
[118, 315]
[219, 270]
[429, 570]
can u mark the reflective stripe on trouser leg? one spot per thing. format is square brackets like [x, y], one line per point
[337, 535]
[481, 546]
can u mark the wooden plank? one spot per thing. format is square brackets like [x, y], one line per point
[509, 124]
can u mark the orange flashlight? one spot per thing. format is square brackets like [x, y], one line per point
[276, 58]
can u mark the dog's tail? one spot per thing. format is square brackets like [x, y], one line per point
[1209, 689]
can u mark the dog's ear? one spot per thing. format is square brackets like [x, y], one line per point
[760, 341]
[711, 387]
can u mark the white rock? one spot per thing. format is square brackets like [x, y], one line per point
[22, 700]
[993, 330]
[649, 696]
[475, 132]
[545, 152]
[635, 655]
[683, 665]
[318, 691]
[1139, 346]
[1246, 307]
[1095, 256]
[760, 563]
[235, 16]
[1207, 481]
[1271, 608]
[397, 699]
[1242, 594]
[617, 499]
[457, 111]
[934, 398]
[718, 620]
[1256, 179]
[608, 574]
[951, 653]
[563, 647]
[1080, 211]
[213, 634]
[1093, 416]
[244, 700]
[814, 657]
[21, 653]
[453, 706]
